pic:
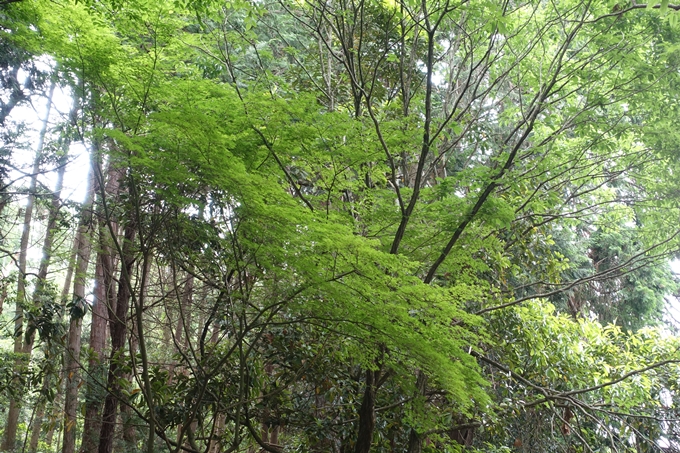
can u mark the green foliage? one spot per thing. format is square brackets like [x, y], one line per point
[45, 317]
[331, 199]
[19, 45]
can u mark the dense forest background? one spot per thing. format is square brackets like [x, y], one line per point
[341, 226]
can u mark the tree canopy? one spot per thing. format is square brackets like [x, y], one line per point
[339, 226]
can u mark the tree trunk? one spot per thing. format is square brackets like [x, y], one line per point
[56, 407]
[104, 300]
[415, 440]
[181, 336]
[10, 436]
[47, 251]
[138, 321]
[126, 414]
[182, 328]
[367, 415]
[215, 445]
[78, 309]
[36, 426]
[117, 327]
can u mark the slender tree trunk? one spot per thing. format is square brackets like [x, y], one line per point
[78, 308]
[270, 427]
[143, 354]
[36, 426]
[117, 327]
[104, 301]
[181, 335]
[10, 436]
[72, 371]
[47, 251]
[126, 415]
[97, 343]
[367, 415]
[215, 443]
[49, 437]
[56, 407]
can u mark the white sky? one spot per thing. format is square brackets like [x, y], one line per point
[32, 115]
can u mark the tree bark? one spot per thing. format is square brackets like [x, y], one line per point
[56, 407]
[104, 300]
[36, 427]
[12, 425]
[47, 251]
[126, 414]
[78, 308]
[117, 327]
[367, 415]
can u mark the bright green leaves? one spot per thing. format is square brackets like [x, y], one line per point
[80, 41]
[584, 357]
[370, 296]
[276, 168]
[239, 161]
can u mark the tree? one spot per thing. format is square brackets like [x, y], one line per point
[23, 341]
[336, 226]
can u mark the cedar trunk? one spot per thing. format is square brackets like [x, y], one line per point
[78, 309]
[117, 327]
[104, 301]
[10, 436]
[367, 415]
[55, 205]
